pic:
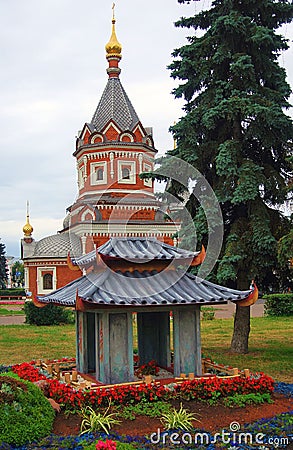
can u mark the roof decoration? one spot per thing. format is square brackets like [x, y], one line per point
[113, 47]
[114, 103]
[27, 229]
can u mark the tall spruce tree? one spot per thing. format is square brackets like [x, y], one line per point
[236, 132]
[3, 267]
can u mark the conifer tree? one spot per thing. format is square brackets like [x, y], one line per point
[3, 267]
[237, 133]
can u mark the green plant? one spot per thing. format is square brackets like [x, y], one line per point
[124, 446]
[279, 305]
[178, 420]
[13, 292]
[50, 315]
[26, 415]
[213, 400]
[96, 421]
[241, 400]
[145, 408]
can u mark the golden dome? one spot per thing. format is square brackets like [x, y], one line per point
[113, 48]
[27, 229]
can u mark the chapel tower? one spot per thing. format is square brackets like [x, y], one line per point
[111, 152]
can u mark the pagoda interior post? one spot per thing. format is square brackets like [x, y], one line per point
[153, 330]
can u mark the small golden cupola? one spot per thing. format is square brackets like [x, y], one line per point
[113, 51]
[27, 229]
[113, 48]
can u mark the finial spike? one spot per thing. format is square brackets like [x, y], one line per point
[113, 7]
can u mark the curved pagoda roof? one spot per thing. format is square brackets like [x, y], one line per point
[135, 249]
[108, 288]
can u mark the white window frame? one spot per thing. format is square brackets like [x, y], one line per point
[40, 273]
[81, 173]
[132, 166]
[94, 167]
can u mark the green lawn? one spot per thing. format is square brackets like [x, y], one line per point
[10, 312]
[270, 345]
[19, 343]
[271, 349]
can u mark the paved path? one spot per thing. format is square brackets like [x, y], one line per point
[227, 311]
[12, 320]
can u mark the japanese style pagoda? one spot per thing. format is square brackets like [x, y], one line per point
[150, 278]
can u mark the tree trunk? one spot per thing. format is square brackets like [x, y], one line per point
[239, 343]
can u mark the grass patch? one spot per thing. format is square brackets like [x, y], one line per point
[11, 312]
[19, 343]
[270, 344]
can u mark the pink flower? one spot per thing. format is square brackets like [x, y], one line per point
[106, 445]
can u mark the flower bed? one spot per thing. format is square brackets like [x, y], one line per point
[198, 389]
[209, 388]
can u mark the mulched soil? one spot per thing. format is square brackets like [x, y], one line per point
[212, 418]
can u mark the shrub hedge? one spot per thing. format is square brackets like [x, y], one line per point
[26, 415]
[18, 291]
[279, 304]
[49, 315]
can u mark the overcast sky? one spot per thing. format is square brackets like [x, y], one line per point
[52, 76]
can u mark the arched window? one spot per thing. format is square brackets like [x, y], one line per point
[125, 173]
[48, 281]
[100, 174]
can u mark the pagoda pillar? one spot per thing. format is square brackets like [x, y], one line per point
[187, 342]
[114, 356]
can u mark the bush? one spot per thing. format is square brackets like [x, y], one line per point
[26, 415]
[279, 305]
[49, 315]
[6, 292]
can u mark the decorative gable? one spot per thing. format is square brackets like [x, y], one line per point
[83, 138]
[111, 131]
[139, 132]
